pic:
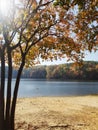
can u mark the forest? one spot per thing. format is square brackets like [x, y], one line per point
[69, 71]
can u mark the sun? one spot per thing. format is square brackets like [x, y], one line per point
[5, 6]
[8, 7]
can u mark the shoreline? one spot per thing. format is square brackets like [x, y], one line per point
[57, 113]
[63, 96]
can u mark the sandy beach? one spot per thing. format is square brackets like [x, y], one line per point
[57, 113]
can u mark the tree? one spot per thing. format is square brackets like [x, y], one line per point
[29, 30]
[84, 21]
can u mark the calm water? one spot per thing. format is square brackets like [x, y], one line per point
[31, 88]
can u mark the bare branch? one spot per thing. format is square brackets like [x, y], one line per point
[44, 4]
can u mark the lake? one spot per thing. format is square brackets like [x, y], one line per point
[35, 87]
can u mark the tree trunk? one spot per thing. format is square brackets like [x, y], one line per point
[16, 93]
[2, 87]
[8, 95]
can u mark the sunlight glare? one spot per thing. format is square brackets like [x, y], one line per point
[5, 6]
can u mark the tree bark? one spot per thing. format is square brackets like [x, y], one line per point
[16, 93]
[8, 95]
[2, 87]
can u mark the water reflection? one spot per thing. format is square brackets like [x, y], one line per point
[31, 88]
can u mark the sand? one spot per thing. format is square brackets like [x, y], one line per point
[57, 113]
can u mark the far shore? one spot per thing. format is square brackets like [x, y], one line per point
[57, 113]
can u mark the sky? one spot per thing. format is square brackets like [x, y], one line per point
[93, 56]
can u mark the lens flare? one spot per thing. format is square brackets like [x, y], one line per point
[4, 7]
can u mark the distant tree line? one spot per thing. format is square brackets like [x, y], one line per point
[88, 71]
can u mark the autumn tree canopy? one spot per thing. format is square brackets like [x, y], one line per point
[84, 22]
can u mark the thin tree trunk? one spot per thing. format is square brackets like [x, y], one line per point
[16, 93]
[2, 87]
[8, 96]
